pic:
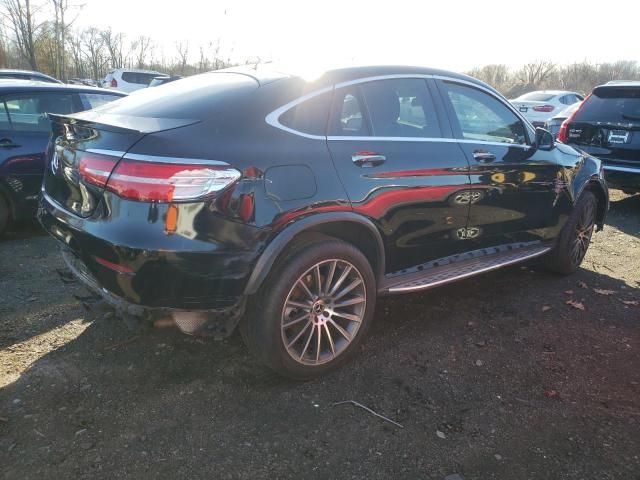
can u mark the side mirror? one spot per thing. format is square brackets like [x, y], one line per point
[544, 139]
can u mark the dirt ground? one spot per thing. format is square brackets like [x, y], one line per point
[496, 377]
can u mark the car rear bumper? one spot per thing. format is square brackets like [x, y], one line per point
[622, 177]
[132, 262]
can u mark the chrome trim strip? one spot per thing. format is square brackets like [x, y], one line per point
[469, 274]
[273, 117]
[111, 153]
[621, 169]
[155, 158]
[426, 139]
[158, 159]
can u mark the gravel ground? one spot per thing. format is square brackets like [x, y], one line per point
[496, 377]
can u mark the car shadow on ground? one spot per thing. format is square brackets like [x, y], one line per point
[496, 363]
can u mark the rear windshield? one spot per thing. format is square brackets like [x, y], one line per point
[139, 78]
[618, 105]
[192, 98]
[537, 97]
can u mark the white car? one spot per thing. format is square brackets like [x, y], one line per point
[540, 106]
[129, 79]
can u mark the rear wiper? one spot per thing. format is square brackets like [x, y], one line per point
[630, 117]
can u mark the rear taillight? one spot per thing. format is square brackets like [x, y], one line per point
[563, 134]
[169, 182]
[114, 83]
[544, 108]
[95, 168]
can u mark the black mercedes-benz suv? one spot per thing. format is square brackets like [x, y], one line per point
[607, 125]
[288, 205]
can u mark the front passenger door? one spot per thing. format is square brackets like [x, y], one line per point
[516, 189]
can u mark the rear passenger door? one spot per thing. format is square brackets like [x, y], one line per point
[400, 168]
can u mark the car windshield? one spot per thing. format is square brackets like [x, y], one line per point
[611, 105]
[537, 97]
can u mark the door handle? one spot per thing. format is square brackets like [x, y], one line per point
[483, 156]
[7, 143]
[367, 159]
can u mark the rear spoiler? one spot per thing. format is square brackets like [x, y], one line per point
[120, 123]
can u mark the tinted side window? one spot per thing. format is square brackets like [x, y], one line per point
[28, 113]
[482, 117]
[94, 100]
[309, 116]
[347, 114]
[401, 108]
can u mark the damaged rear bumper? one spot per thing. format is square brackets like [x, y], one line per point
[218, 322]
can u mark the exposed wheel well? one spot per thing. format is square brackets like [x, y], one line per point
[595, 188]
[358, 231]
[357, 235]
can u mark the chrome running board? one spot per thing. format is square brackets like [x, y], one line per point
[459, 267]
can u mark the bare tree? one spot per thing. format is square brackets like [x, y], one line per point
[94, 51]
[183, 55]
[77, 54]
[62, 9]
[22, 22]
[535, 73]
[141, 46]
[114, 44]
[496, 75]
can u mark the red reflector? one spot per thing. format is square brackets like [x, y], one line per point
[113, 266]
[114, 83]
[167, 182]
[544, 108]
[95, 168]
[563, 134]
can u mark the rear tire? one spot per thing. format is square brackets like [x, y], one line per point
[5, 214]
[313, 310]
[573, 242]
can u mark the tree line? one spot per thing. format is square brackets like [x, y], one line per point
[579, 77]
[40, 35]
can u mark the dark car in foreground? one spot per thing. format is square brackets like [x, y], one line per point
[6, 73]
[607, 125]
[288, 205]
[24, 133]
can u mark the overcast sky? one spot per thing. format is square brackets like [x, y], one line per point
[449, 34]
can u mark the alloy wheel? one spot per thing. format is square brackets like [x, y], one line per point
[323, 312]
[584, 230]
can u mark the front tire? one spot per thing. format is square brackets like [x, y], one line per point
[573, 242]
[313, 310]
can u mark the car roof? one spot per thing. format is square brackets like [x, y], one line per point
[136, 70]
[621, 83]
[10, 85]
[267, 73]
[13, 71]
[550, 92]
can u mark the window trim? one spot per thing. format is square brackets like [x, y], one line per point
[458, 134]
[272, 118]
